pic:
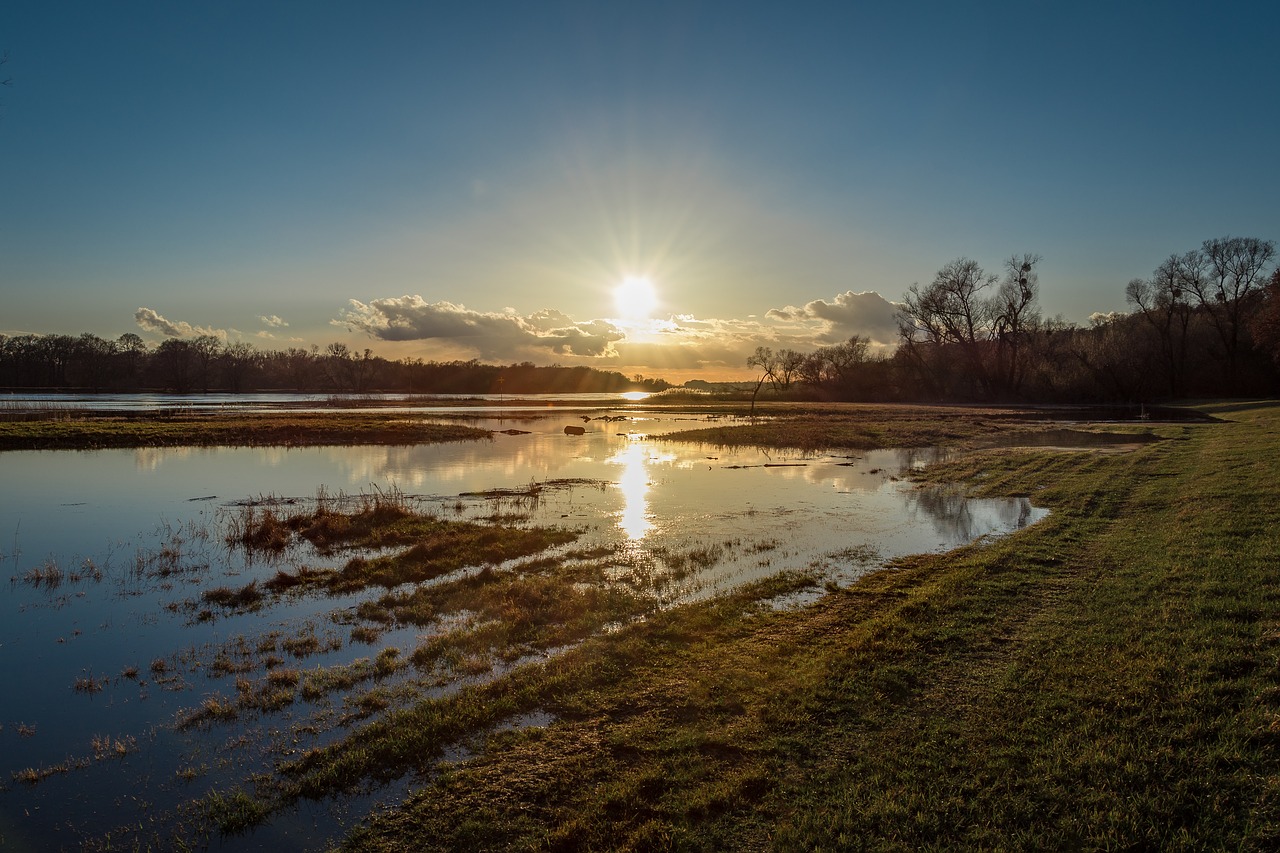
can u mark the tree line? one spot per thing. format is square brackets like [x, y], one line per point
[207, 363]
[1205, 323]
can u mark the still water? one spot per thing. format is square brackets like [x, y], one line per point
[99, 665]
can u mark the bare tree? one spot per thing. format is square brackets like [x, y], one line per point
[205, 350]
[788, 369]
[765, 360]
[1266, 325]
[1106, 352]
[1235, 268]
[1164, 301]
[174, 361]
[988, 329]
[238, 361]
[951, 312]
[1014, 318]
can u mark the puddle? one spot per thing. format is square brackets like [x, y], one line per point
[105, 550]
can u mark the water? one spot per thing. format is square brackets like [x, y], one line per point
[134, 537]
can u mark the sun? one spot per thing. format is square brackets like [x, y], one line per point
[635, 298]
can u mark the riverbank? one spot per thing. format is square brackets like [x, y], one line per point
[808, 426]
[239, 430]
[1105, 678]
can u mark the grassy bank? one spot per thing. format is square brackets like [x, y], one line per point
[1105, 679]
[811, 426]
[854, 426]
[285, 429]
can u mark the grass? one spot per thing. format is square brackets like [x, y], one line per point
[429, 546]
[868, 426]
[1104, 679]
[259, 429]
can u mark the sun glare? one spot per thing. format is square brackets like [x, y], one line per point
[635, 298]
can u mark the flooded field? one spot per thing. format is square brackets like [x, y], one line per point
[148, 659]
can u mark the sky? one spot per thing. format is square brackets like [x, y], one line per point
[478, 180]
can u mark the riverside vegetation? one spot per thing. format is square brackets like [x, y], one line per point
[86, 431]
[1105, 678]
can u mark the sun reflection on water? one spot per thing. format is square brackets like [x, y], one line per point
[635, 518]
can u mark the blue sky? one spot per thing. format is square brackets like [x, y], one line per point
[479, 178]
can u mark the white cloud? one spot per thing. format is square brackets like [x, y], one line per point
[272, 320]
[867, 314]
[150, 320]
[683, 343]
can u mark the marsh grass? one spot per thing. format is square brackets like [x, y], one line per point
[35, 775]
[105, 747]
[48, 575]
[16, 411]
[214, 708]
[1104, 679]
[298, 429]
[322, 681]
[527, 609]
[855, 428]
[430, 547]
[308, 643]
[868, 426]
[88, 684]
[224, 596]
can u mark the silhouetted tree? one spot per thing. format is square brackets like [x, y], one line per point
[1014, 319]
[205, 350]
[238, 361]
[1111, 361]
[1266, 324]
[174, 364]
[958, 316]
[130, 352]
[1164, 303]
[1235, 269]
[94, 361]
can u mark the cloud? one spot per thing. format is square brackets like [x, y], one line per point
[867, 314]
[272, 320]
[151, 321]
[503, 335]
[683, 343]
[1102, 318]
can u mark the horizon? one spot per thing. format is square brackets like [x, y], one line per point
[651, 190]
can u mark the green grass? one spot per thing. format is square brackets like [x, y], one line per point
[869, 426]
[1107, 678]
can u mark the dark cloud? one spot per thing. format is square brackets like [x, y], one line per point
[503, 335]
